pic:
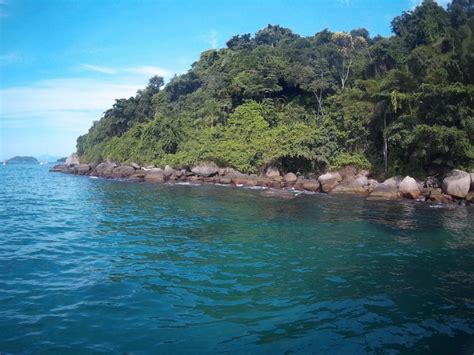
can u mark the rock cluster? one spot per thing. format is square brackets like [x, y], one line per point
[456, 186]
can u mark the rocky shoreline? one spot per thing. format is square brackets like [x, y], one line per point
[457, 187]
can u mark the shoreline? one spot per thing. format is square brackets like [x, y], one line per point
[346, 181]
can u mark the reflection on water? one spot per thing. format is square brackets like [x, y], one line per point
[95, 265]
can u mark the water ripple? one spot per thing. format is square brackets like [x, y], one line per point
[105, 266]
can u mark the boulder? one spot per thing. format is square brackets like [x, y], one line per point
[440, 198]
[290, 178]
[371, 184]
[353, 188]
[168, 171]
[263, 181]
[195, 179]
[228, 171]
[82, 169]
[138, 177]
[226, 180]
[409, 188]
[123, 171]
[457, 183]
[299, 183]
[384, 192]
[72, 159]
[472, 181]
[62, 168]
[470, 197]
[157, 177]
[362, 180]
[179, 173]
[329, 181]
[393, 181]
[135, 166]
[276, 184]
[206, 169]
[272, 173]
[311, 185]
[245, 180]
[105, 169]
[348, 172]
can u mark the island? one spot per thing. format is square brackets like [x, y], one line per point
[398, 105]
[22, 160]
[396, 110]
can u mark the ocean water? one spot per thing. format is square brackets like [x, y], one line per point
[91, 265]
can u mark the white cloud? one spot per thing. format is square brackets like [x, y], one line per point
[64, 94]
[53, 113]
[150, 71]
[145, 70]
[98, 69]
[213, 35]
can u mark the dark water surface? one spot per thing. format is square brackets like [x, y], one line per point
[89, 265]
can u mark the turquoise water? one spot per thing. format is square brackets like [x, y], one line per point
[90, 265]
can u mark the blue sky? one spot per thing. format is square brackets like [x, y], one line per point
[62, 63]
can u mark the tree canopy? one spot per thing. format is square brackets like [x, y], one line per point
[402, 104]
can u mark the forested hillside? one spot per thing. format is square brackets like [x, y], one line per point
[402, 104]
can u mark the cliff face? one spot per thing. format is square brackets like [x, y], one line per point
[23, 160]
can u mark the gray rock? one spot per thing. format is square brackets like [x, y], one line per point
[226, 180]
[329, 181]
[105, 169]
[393, 181]
[135, 166]
[290, 178]
[350, 187]
[457, 183]
[299, 183]
[168, 171]
[206, 169]
[62, 168]
[362, 180]
[82, 169]
[156, 177]
[245, 180]
[372, 183]
[137, 177]
[272, 173]
[384, 192]
[311, 185]
[123, 171]
[72, 159]
[409, 188]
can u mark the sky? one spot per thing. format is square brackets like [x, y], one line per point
[63, 63]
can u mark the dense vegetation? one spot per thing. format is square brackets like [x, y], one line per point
[402, 104]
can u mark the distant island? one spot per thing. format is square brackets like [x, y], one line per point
[61, 160]
[22, 160]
